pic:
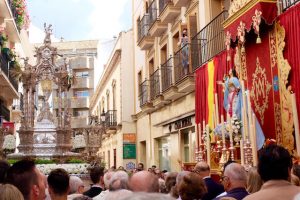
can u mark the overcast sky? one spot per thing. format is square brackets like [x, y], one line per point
[79, 19]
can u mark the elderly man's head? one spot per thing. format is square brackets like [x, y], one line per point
[144, 181]
[106, 178]
[235, 176]
[202, 168]
[119, 180]
[76, 185]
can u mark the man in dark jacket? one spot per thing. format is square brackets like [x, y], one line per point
[213, 188]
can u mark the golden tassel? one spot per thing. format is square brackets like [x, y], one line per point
[258, 39]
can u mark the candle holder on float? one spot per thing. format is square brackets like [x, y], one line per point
[248, 155]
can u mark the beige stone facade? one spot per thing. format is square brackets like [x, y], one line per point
[164, 74]
[82, 57]
[113, 98]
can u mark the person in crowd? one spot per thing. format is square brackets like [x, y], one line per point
[213, 188]
[119, 180]
[295, 180]
[192, 186]
[58, 183]
[96, 175]
[153, 167]
[146, 196]
[10, 192]
[121, 168]
[144, 181]
[106, 178]
[140, 167]
[76, 187]
[254, 181]
[119, 194]
[234, 182]
[296, 170]
[83, 197]
[4, 166]
[171, 183]
[179, 178]
[28, 179]
[162, 186]
[274, 168]
[150, 170]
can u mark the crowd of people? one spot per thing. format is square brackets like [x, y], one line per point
[275, 178]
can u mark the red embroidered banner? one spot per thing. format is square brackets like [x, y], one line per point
[268, 14]
[260, 82]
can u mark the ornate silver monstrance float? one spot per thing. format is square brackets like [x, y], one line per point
[40, 135]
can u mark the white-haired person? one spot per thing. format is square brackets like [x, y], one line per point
[106, 179]
[76, 187]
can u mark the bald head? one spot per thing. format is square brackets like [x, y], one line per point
[202, 168]
[144, 181]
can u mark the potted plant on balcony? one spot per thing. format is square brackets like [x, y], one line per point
[22, 17]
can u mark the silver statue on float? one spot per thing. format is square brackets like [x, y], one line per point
[42, 134]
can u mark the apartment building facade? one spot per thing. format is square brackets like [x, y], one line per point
[14, 45]
[82, 59]
[113, 102]
[174, 38]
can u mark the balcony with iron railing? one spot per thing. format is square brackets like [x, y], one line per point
[144, 92]
[286, 4]
[154, 85]
[208, 42]
[163, 4]
[167, 11]
[152, 12]
[4, 112]
[111, 119]
[166, 75]
[143, 26]
[145, 41]
[5, 68]
[156, 27]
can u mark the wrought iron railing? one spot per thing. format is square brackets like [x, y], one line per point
[181, 63]
[143, 26]
[144, 92]
[286, 4]
[166, 75]
[152, 12]
[4, 112]
[110, 118]
[163, 4]
[209, 41]
[4, 62]
[154, 85]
